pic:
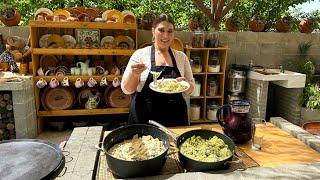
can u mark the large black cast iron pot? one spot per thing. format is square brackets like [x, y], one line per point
[126, 169]
[194, 165]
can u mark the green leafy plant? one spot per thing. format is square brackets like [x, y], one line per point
[310, 97]
[6, 10]
[259, 19]
[236, 20]
[200, 20]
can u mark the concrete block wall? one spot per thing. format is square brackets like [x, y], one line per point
[258, 103]
[286, 103]
[24, 110]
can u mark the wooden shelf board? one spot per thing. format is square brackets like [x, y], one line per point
[201, 73]
[82, 112]
[213, 97]
[202, 121]
[74, 78]
[196, 97]
[81, 25]
[215, 73]
[58, 51]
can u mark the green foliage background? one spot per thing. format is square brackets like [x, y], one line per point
[180, 10]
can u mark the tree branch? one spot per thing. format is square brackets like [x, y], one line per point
[214, 5]
[218, 13]
[200, 5]
[229, 6]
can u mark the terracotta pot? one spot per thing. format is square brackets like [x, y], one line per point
[23, 69]
[231, 26]
[254, 26]
[12, 21]
[4, 66]
[30, 67]
[304, 27]
[281, 26]
[192, 25]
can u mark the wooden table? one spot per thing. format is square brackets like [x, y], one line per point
[278, 147]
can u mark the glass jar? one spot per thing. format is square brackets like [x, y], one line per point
[198, 38]
[212, 89]
[213, 63]
[194, 112]
[197, 89]
[212, 40]
[196, 65]
[212, 111]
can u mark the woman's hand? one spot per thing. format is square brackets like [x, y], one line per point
[180, 79]
[138, 68]
[190, 89]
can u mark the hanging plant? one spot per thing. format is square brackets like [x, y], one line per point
[257, 23]
[234, 23]
[9, 16]
[284, 24]
[308, 25]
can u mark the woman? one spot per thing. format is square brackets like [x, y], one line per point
[168, 109]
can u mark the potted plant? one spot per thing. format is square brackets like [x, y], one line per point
[257, 23]
[9, 16]
[234, 23]
[284, 24]
[308, 25]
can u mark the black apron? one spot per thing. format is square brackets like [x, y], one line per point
[167, 109]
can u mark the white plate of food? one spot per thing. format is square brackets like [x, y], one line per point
[169, 86]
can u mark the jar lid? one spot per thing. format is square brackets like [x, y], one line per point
[212, 106]
[194, 105]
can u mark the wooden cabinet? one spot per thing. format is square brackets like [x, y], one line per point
[40, 28]
[204, 63]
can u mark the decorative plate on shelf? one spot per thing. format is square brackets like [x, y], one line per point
[113, 16]
[124, 42]
[43, 10]
[69, 41]
[43, 41]
[59, 98]
[88, 38]
[61, 12]
[47, 61]
[107, 42]
[169, 86]
[55, 41]
[177, 44]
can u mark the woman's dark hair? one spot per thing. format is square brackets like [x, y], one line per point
[162, 17]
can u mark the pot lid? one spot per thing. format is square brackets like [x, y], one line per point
[29, 159]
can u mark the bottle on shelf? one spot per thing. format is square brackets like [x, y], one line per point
[196, 65]
[214, 63]
[212, 89]
[194, 111]
[197, 89]
[212, 109]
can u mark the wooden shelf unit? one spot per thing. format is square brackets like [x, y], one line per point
[39, 28]
[204, 76]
